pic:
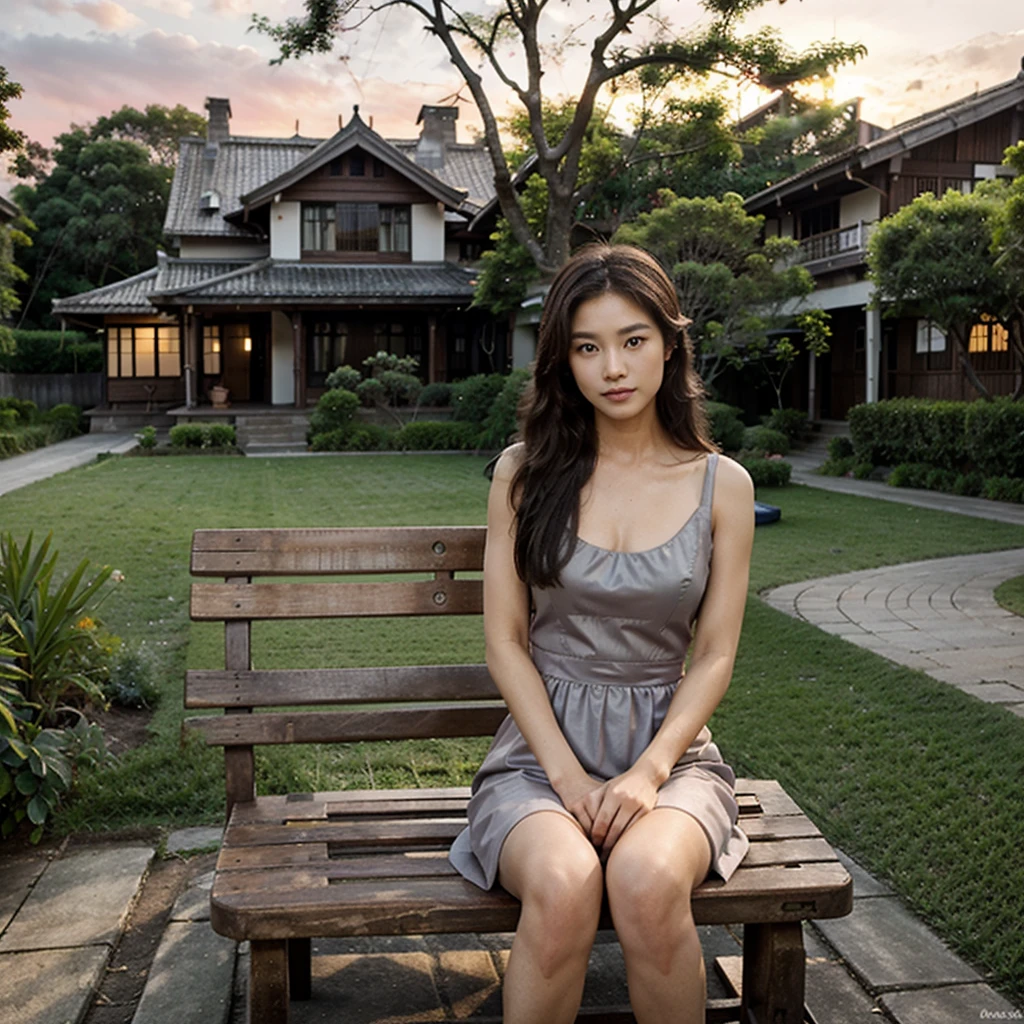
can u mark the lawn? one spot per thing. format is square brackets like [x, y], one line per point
[1010, 595]
[916, 780]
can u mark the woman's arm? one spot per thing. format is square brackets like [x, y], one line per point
[634, 793]
[507, 637]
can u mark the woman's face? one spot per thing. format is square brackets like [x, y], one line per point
[617, 355]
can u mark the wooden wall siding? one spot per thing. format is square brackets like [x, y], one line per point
[354, 256]
[323, 186]
[145, 389]
[845, 363]
[983, 142]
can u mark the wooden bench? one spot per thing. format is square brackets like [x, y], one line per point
[354, 863]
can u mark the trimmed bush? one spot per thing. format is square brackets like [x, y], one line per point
[840, 448]
[24, 408]
[146, 438]
[132, 680]
[791, 422]
[1004, 488]
[370, 392]
[840, 466]
[901, 430]
[500, 423]
[53, 352]
[344, 378]
[910, 474]
[726, 426]
[188, 435]
[65, 419]
[220, 435]
[366, 437]
[766, 472]
[437, 395]
[333, 410]
[473, 397]
[994, 439]
[969, 484]
[8, 419]
[436, 436]
[765, 439]
[940, 480]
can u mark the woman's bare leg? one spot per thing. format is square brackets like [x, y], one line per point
[650, 875]
[552, 868]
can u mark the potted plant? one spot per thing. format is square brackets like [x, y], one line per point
[219, 396]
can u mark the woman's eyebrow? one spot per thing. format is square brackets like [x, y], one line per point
[623, 330]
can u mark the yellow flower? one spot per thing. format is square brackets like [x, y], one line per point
[86, 623]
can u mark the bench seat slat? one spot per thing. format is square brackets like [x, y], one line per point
[318, 687]
[336, 550]
[350, 726]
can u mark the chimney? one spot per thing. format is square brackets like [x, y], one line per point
[217, 128]
[437, 132]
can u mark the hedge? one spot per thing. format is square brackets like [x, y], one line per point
[911, 430]
[995, 437]
[52, 352]
[726, 426]
[431, 436]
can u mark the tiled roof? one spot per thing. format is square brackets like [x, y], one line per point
[276, 281]
[8, 211]
[239, 165]
[903, 137]
[465, 166]
[128, 296]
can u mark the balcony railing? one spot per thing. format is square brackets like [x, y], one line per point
[839, 242]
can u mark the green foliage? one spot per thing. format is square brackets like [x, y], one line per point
[25, 409]
[131, 681]
[500, 422]
[909, 474]
[21, 439]
[910, 430]
[53, 352]
[352, 437]
[839, 465]
[187, 435]
[10, 138]
[370, 392]
[146, 438]
[840, 448]
[8, 418]
[220, 435]
[726, 426]
[437, 395]
[427, 435]
[767, 440]
[12, 236]
[791, 422]
[969, 484]
[994, 437]
[473, 397]
[765, 472]
[158, 128]
[1004, 488]
[346, 378]
[65, 420]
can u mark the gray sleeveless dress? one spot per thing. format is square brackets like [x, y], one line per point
[610, 645]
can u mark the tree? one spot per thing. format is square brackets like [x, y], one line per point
[520, 26]
[13, 234]
[731, 284]
[158, 128]
[933, 258]
[10, 138]
[778, 354]
[1008, 250]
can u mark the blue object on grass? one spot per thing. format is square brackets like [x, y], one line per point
[764, 514]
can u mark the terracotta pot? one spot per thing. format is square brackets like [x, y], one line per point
[219, 396]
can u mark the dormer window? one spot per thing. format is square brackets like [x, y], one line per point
[356, 165]
[355, 227]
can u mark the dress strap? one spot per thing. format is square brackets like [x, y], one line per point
[709, 480]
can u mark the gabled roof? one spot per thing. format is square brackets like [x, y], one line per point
[899, 139]
[8, 211]
[357, 133]
[231, 168]
[128, 296]
[467, 166]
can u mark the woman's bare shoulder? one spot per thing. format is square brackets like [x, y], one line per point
[732, 481]
[509, 461]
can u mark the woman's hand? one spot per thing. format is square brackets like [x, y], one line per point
[582, 799]
[624, 800]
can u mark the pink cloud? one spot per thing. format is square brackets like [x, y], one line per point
[105, 14]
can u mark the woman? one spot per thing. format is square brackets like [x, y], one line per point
[608, 528]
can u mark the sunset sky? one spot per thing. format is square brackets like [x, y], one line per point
[79, 59]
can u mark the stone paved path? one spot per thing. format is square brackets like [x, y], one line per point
[939, 616]
[20, 470]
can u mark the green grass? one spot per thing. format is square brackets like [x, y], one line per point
[918, 781]
[1010, 594]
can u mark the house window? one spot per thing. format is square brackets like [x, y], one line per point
[357, 165]
[328, 345]
[211, 350]
[929, 338]
[378, 169]
[922, 185]
[389, 338]
[144, 351]
[988, 336]
[819, 219]
[356, 227]
[335, 167]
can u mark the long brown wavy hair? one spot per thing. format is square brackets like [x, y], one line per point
[557, 422]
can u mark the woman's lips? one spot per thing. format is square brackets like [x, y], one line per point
[619, 395]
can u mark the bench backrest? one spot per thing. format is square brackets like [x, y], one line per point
[403, 702]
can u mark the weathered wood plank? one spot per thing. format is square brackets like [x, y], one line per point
[285, 552]
[318, 687]
[229, 602]
[350, 726]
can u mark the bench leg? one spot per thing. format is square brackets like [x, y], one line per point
[268, 981]
[773, 974]
[300, 968]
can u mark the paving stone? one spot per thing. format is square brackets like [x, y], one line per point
[887, 947]
[1017, 709]
[954, 1004]
[201, 837]
[994, 693]
[371, 944]
[832, 994]
[17, 876]
[191, 977]
[194, 903]
[397, 988]
[50, 986]
[864, 884]
[469, 983]
[82, 899]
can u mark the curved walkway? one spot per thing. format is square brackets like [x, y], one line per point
[21, 470]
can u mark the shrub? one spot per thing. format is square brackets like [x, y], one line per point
[840, 448]
[397, 376]
[726, 426]
[8, 419]
[370, 392]
[131, 681]
[146, 438]
[473, 397]
[220, 435]
[1004, 488]
[903, 430]
[187, 435]
[500, 423]
[995, 437]
[26, 409]
[791, 422]
[65, 419]
[334, 409]
[437, 395]
[863, 471]
[766, 472]
[839, 466]
[432, 436]
[940, 480]
[368, 437]
[764, 439]
[909, 474]
[969, 484]
[53, 352]
[330, 440]
[344, 378]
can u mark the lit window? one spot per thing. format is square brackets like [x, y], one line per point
[356, 227]
[211, 350]
[144, 350]
[989, 335]
[169, 351]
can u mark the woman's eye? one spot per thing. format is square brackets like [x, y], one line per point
[634, 342]
[586, 347]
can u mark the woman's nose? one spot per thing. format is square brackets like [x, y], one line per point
[613, 365]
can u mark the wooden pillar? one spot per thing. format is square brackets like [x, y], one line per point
[299, 360]
[872, 353]
[773, 973]
[268, 981]
[433, 356]
[193, 357]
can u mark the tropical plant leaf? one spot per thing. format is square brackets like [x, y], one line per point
[37, 810]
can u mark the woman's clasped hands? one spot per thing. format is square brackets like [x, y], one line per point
[605, 810]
